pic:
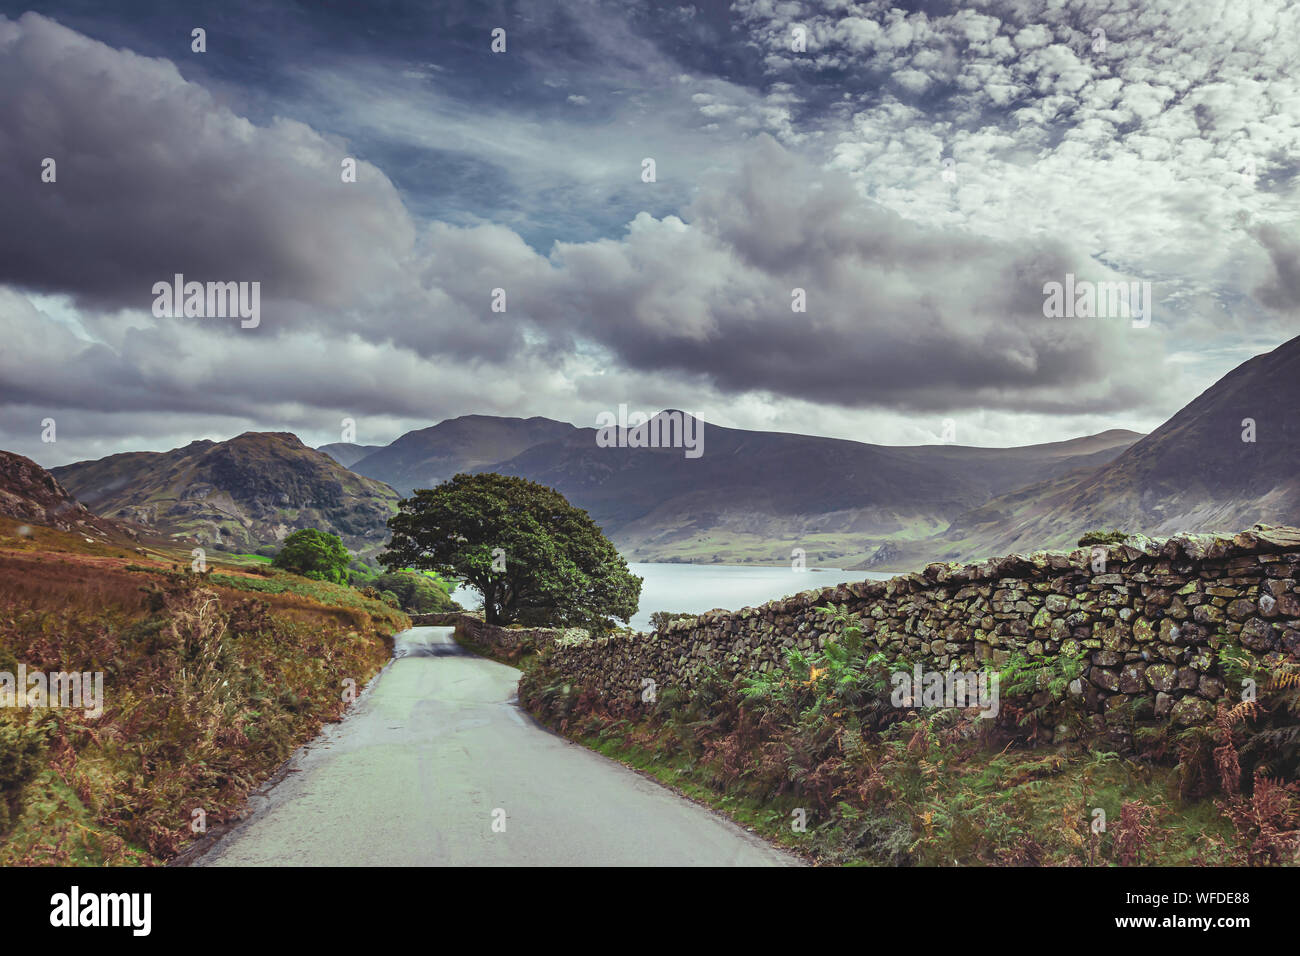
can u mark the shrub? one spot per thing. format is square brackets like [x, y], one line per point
[1102, 537]
[417, 593]
[212, 690]
[661, 618]
[21, 750]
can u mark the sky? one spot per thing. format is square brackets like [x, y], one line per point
[913, 175]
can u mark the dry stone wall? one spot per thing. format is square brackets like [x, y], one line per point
[507, 643]
[1149, 616]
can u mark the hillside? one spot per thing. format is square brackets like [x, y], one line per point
[248, 668]
[1193, 473]
[427, 456]
[239, 494]
[29, 493]
[757, 495]
[751, 497]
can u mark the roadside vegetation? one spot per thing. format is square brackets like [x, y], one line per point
[211, 680]
[818, 757]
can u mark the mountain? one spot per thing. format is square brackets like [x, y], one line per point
[751, 496]
[423, 458]
[346, 453]
[1193, 473]
[239, 494]
[754, 496]
[765, 493]
[29, 493]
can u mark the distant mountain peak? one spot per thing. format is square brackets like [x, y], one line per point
[427, 456]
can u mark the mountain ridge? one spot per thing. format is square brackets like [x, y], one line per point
[829, 496]
[1194, 473]
[242, 493]
[1222, 462]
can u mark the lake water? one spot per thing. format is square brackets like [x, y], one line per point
[702, 587]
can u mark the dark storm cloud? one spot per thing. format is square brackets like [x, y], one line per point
[568, 64]
[154, 177]
[157, 178]
[897, 312]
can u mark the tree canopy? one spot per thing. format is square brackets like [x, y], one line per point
[314, 554]
[534, 557]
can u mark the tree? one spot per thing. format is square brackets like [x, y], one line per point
[535, 558]
[314, 554]
[418, 592]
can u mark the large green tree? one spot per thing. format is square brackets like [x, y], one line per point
[535, 558]
[314, 554]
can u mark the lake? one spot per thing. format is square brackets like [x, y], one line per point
[702, 587]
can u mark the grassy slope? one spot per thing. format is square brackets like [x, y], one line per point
[210, 683]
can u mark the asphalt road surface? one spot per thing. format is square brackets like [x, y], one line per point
[435, 765]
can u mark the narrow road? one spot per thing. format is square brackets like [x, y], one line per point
[435, 752]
